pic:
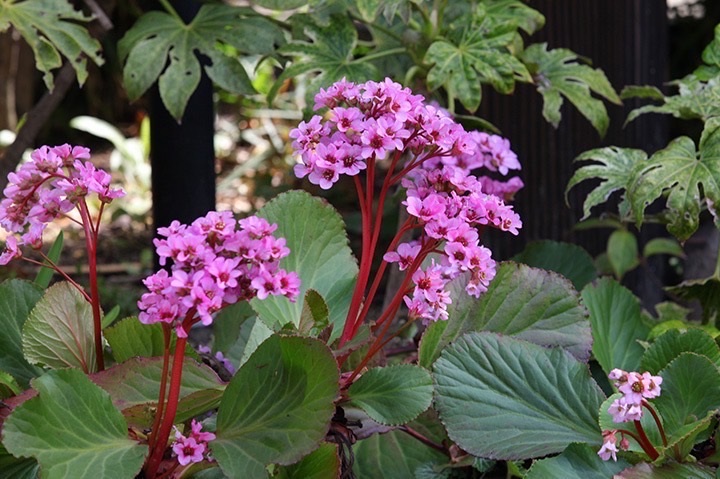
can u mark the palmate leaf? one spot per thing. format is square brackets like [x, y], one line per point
[161, 47]
[478, 51]
[50, 28]
[685, 175]
[328, 50]
[557, 74]
[696, 99]
[614, 166]
[515, 12]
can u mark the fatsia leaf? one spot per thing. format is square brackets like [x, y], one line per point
[328, 50]
[503, 398]
[711, 54]
[614, 167]
[696, 99]
[73, 430]
[51, 29]
[59, 331]
[557, 74]
[162, 47]
[685, 175]
[515, 12]
[478, 51]
[705, 290]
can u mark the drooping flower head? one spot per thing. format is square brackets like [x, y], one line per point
[216, 261]
[54, 181]
[434, 159]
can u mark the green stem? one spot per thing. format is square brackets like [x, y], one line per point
[171, 10]
[381, 54]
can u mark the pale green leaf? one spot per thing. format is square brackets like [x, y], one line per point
[663, 246]
[392, 395]
[503, 398]
[50, 28]
[8, 386]
[622, 252]
[315, 315]
[529, 303]
[641, 91]
[578, 460]
[319, 254]
[73, 430]
[277, 408]
[59, 331]
[160, 47]
[685, 175]
[557, 74]
[567, 259]
[514, 12]
[614, 167]
[17, 298]
[696, 99]
[617, 325]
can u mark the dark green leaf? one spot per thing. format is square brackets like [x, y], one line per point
[280, 4]
[73, 430]
[614, 167]
[671, 470]
[17, 298]
[567, 259]
[315, 314]
[685, 175]
[617, 325]
[675, 342]
[50, 28]
[277, 408]
[227, 324]
[130, 338]
[322, 463]
[319, 254]
[557, 74]
[705, 290]
[160, 47]
[663, 246]
[59, 331]
[578, 460]
[393, 395]
[12, 467]
[528, 303]
[43, 277]
[641, 91]
[622, 252]
[503, 398]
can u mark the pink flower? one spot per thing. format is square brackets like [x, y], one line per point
[609, 448]
[188, 450]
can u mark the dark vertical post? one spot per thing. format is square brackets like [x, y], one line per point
[182, 155]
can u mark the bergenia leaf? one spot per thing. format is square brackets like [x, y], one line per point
[686, 176]
[479, 52]
[50, 28]
[614, 166]
[328, 50]
[161, 47]
[557, 74]
[696, 99]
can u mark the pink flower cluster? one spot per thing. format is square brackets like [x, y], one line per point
[635, 389]
[51, 184]
[216, 261]
[193, 448]
[434, 157]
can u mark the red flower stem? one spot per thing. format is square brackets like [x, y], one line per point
[158, 450]
[428, 442]
[167, 332]
[645, 442]
[657, 421]
[91, 245]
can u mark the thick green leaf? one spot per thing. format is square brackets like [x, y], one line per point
[227, 324]
[17, 298]
[134, 387]
[13, 468]
[557, 74]
[396, 453]
[607, 423]
[696, 99]
[690, 393]
[663, 246]
[622, 252]
[328, 50]
[705, 290]
[319, 254]
[73, 430]
[478, 51]
[43, 277]
[315, 315]
[670, 470]
[50, 28]
[322, 463]
[503, 398]
[393, 395]
[617, 325]
[8, 386]
[578, 460]
[614, 167]
[532, 304]
[567, 259]
[686, 176]
[252, 333]
[158, 39]
[278, 406]
[130, 338]
[59, 331]
[674, 343]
